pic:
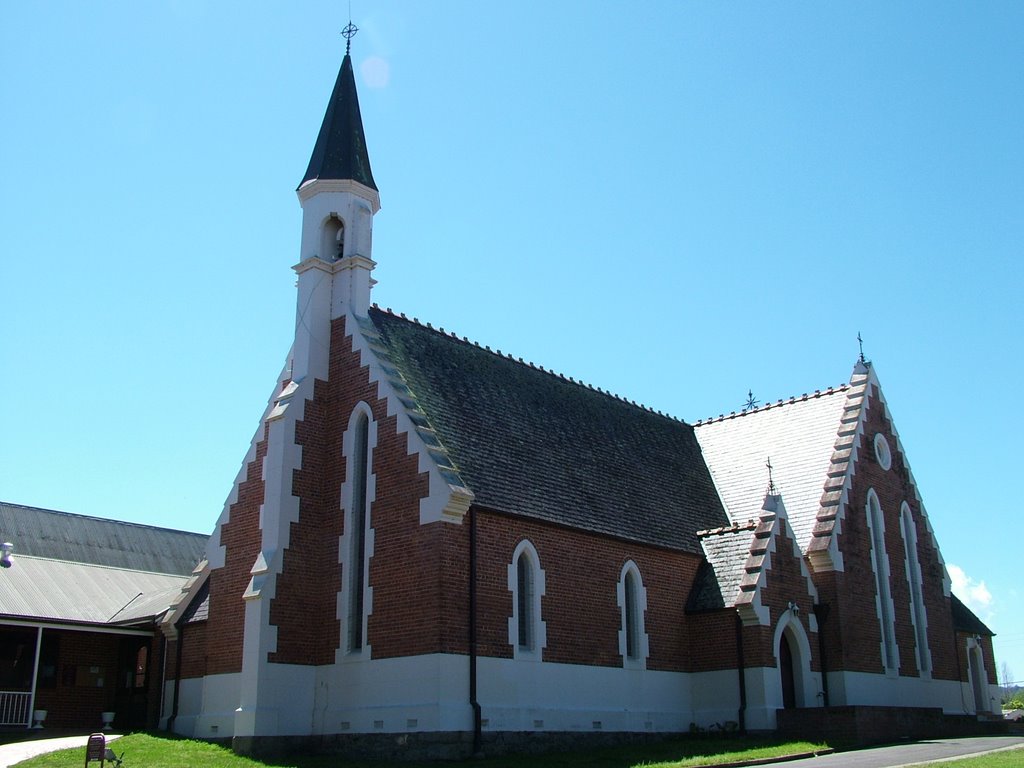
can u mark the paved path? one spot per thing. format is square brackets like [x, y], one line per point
[23, 750]
[912, 753]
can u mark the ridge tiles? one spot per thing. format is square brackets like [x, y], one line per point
[530, 442]
[800, 436]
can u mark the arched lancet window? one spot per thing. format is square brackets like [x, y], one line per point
[332, 239]
[524, 598]
[632, 599]
[632, 620]
[883, 594]
[358, 493]
[526, 627]
[917, 612]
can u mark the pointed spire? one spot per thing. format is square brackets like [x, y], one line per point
[340, 150]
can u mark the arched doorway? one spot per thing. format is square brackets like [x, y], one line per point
[979, 685]
[786, 672]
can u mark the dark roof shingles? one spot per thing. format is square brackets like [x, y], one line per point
[531, 443]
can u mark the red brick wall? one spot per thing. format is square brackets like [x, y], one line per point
[580, 607]
[241, 539]
[75, 700]
[193, 652]
[852, 593]
[405, 569]
[785, 583]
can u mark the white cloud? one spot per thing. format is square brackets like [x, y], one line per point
[974, 593]
[376, 72]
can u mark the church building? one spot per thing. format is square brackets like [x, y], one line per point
[435, 548]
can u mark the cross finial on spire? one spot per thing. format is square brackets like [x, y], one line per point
[860, 341]
[348, 33]
[771, 483]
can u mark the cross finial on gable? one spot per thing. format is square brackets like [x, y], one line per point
[860, 342]
[771, 482]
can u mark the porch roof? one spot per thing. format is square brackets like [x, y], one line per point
[39, 588]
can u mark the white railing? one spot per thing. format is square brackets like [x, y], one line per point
[15, 707]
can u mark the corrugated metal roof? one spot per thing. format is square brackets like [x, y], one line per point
[81, 539]
[56, 590]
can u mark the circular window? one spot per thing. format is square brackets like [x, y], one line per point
[882, 452]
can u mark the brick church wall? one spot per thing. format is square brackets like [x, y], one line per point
[241, 539]
[405, 570]
[786, 582]
[579, 607]
[854, 632]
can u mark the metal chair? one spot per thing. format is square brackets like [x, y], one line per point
[96, 749]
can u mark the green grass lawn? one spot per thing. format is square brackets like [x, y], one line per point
[160, 751]
[1011, 758]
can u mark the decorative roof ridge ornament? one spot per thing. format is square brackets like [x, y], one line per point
[348, 33]
[752, 403]
[771, 483]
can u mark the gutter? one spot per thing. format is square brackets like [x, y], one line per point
[473, 702]
[821, 611]
[180, 626]
[741, 716]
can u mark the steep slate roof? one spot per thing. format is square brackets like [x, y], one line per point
[717, 583]
[55, 590]
[340, 149]
[55, 535]
[799, 436]
[965, 620]
[532, 443]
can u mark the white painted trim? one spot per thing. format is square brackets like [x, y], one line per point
[445, 502]
[642, 639]
[76, 627]
[976, 657]
[343, 653]
[215, 551]
[873, 379]
[338, 186]
[864, 688]
[915, 585]
[883, 454]
[883, 585]
[540, 638]
[807, 683]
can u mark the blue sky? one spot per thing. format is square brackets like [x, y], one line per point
[674, 201]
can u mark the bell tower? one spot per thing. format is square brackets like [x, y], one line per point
[339, 199]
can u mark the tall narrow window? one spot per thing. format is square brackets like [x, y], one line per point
[524, 597]
[527, 632]
[880, 565]
[632, 599]
[632, 639]
[357, 559]
[917, 613]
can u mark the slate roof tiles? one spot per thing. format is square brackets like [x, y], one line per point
[532, 443]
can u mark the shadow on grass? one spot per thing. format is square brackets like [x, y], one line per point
[162, 750]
